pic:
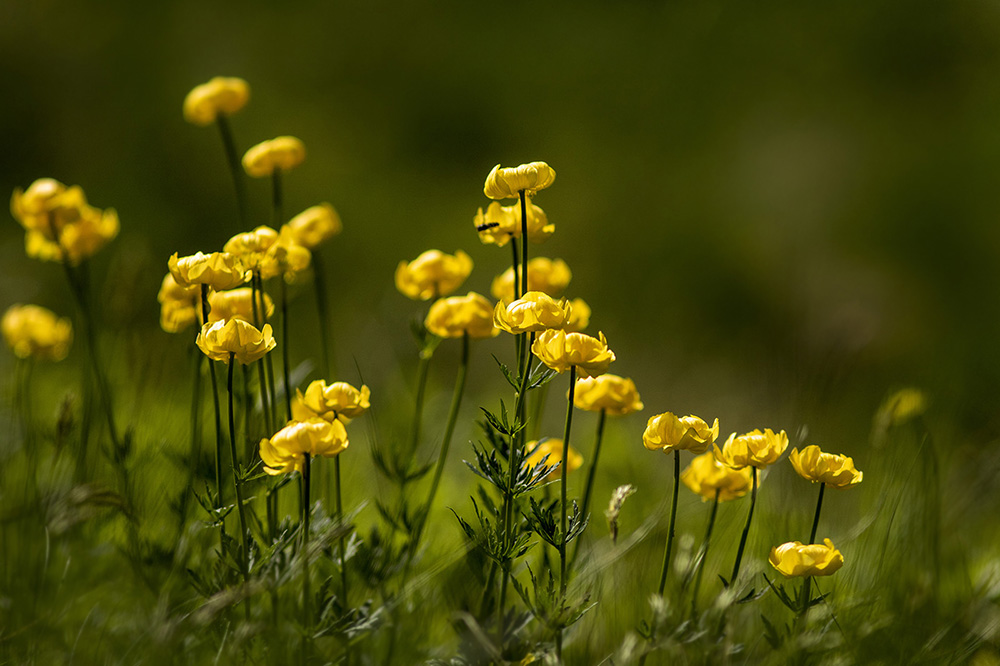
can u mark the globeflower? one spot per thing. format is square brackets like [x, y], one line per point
[755, 448]
[218, 270]
[456, 316]
[251, 247]
[286, 257]
[549, 276]
[331, 402]
[315, 225]
[34, 331]
[507, 183]
[610, 393]
[287, 449]
[180, 307]
[236, 304]
[579, 317]
[60, 225]
[561, 350]
[794, 559]
[218, 340]
[501, 223]
[553, 448]
[282, 153]
[222, 95]
[706, 476]
[535, 311]
[668, 432]
[836, 471]
[433, 274]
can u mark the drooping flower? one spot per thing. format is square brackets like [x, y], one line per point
[553, 448]
[234, 336]
[755, 448]
[59, 223]
[795, 559]
[222, 94]
[180, 307]
[560, 350]
[501, 223]
[611, 393]
[433, 274]
[668, 432]
[338, 400]
[579, 317]
[315, 225]
[34, 331]
[535, 311]
[549, 276]
[283, 152]
[508, 182]
[287, 449]
[455, 316]
[706, 475]
[236, 304]
[836, 471]
[219, 270]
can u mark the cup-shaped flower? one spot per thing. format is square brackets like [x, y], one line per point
[579, 317]
[234, 336]
[549, 276]
[668, 432]
[508, 182]
[755, 448]
[314, 225]
[331, 402]
[219, 270]
[60, 225]
[795, 559]
[34, 331]
[501, 223]
[535, 311]
[433, 274]
[180, 307]
[236, 304]
[613, 394]
[223, 94]
[31, 207]
[287, 449]
[836, 471]
[553, 448]
[706, 475]
[286, 257]
[251, 247]
[560, 350]
[283, 152]
[455, 316]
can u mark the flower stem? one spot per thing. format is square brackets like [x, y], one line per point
[591, 474]
[746, 529]
[806, 591]
[306, 593]
[284, 348]
[319, 271]
[673, 521]
[704, 554]
[245, 555]
[218, 418]
[524, 242]
[340, 520]
[271, 412]
[819, 507]
[563, 573]
[423, 366]
[232, 158]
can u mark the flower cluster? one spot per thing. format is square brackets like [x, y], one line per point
[32, 331]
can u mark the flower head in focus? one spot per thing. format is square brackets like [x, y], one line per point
[560, 350]
[180, 307]
[549, 276]
[222, 95]
[218, 270]
[611, 393]
[499, 224]
[755, 448]
[455, 316]
[34, 331]
[508, 182]
[668, 432]
[553, 448]
[706, 475]
[234, 336]
[433, 274]
[535, 311]
[836, 471]
[287, 449]
[331, 402]
[236, 304]
[315, 225]
[795, 559]
[282, 153]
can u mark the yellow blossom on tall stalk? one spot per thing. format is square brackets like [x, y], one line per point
[706, 476]
[668, 432]
[283, 152]
[234, 336]
[610, 393]
[331, 402]
[550, 276]
[836, 471]
[252, 246]
[499, 224]
[286, 257]
[32, 331]
[456, 316]
[180, 307]
[218, 270]
[315, 225]
[535, 311]
[554, 449]
[235, 304]
[508, 182]
[59, 223]
[287, 449]
[559, 350]
[795, 559]
[221, 95]
[433, 274]
[755, 448]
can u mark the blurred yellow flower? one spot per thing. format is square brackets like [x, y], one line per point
[836, 471]
[180, 307]
[668, 432]
[755, 448]
[60, 225]
[330, 402]
[286, 257]
[579, 316]
[549, 276]
[287, 449]
[223, 94]
[501, 223]
[705, 475]
[535, 311]
[314, 225]
[506, 183]
[456, 315]
[251, 247]
[611, 393]
[32, 207]
[553, 448]
[794, 559]
[283, 152]
[34, 331]
[234, 336]
[433, 274]
[235, 304]
[902, 406]
[219, 270]
[560, 350]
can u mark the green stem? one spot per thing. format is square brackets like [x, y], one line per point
[340, 520]
[218, 416]
[746, 529]
[284, 348]
[673, 521]
[319, 271]
[591, 474]
[418, 404]
[704, 554]
[265, 404]
[248, 439]
[524, 242]
[245, 555]
[819, 507]
[562, 504]
[235, 168]
[806, 596]
[306, 593]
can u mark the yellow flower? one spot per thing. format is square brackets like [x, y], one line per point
[286, 451]
[219, 270]
[334, 401]
[60, 225]
[834, 470]
[501, 223]
[284, 153]
[553, 448]
[755, 448]
[433, 274]
[235, 304]
[705, 475]
[219, 339]
[252, 247]
[549, 276]
[31, 330]
[286, 257]
[180, 307]
[579, 317]
[31, 207]
[314, 225]
[559, 350]
[535, 311]
[793, 559]
[902, 406]
[506, 183]
[668, 432]
[223, 94]
[454, 316]
[615, 395]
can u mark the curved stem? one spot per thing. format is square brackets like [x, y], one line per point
[819, 506]
[590, 475]
[284, 348]
[704, 554]
[746, 529]
[235, 168]
[245, 555]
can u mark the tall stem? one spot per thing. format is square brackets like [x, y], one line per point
[673, 521]
[218, 413]
[319, 272]
[271, 413]
[245, 555]
[418, 405]
[306, 593]
[819, 507]
[524, 242]
[284, 348]
[343, 548]
[806, 584]
[704, 554]
[235, 168]
[746, 529]
[591, 474]
[562, 503]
